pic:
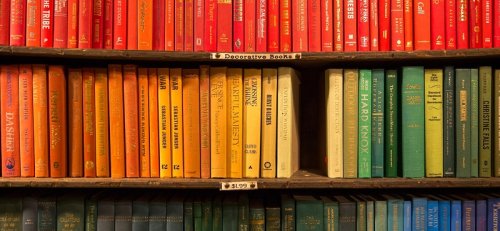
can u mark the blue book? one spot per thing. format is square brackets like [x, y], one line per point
[493, 210]
[456, 215]
[419, 214]
[432, 215]
[444, 215]
[481, 215]
[468, 215]
[407, 216]
[395, 211]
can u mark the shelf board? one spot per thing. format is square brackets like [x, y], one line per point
[301, 180]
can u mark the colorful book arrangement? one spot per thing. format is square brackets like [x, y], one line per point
[252, 26]
[129, 121]
[242, 211]
[413, 123]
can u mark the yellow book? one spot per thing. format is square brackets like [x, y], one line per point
[434, 122]
[164, 122]
[101, 122]
[235, 122]
[191, 113]
[268, 125]
[176, 116]
[334, 122]
[218, 123]
[252, 90]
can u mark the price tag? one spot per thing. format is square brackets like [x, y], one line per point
[238, 185]
[256, 56]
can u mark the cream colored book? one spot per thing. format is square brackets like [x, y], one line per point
[269, 117]
[433, 123]
[252, 90]
[334, 122]
[235, 122]
[218, 123]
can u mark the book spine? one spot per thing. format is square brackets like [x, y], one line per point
[273, 26]
[449, 122]
[164, 122]
[432, 216]
[496, 128]
[363, 21]
[350, 23]
[487, 25]
[252, 92]
[169, 25]
[224, 29]
[261, 26]
[444, 215]
[347, 216]
[334, 106]
[153, 122]
[132, 24]
[205, 121]
[269, 116]
[451, 24]
[101, 123]
[380, 215]
[141, 214]
[395, 213]
[326, 25]
[97, 29]
[474, 125]
[249, 33]
[103, 218]
[89, 156]
[123, 215]
[338, 25]
[159, 25]
[144, 143]
[285, 26]
[191, 113]
[391, 124]
[288, 217]
[384, 21]
[175, 211]
[4, 22]
[211, 25]
[493, 207]
[235, 122]
[408, 17]
[419, 213]
[314, 26]
[199, 25]
[70, 212]
[299, 25]
[378, 115]
[47, 214]
[434, 123]
[218, 124]
[177, 122]
[131, 113]
[438, 25]
[9, 84]
[75, 118]
[481, 215]
[365, 124]
[108, 24]
[468, 215]
[156, 217]
[47, 24]
[30, 214]
[145, 25]
[119, 24]
[485, 103]
[272, 220]
[85, 24]
[407, 215]
[116, 121]
[475, 24]
[26, 121]
[40, 117]
[72, 31]
[57, 121]
[496, 24]
[33, 17]
[463, 122]
[188, 25]
[17, 22]
[397, 26]
[351, 93]
[179, 30]
[188, 215]
[462, 24]
[374, 25]
[238, 26]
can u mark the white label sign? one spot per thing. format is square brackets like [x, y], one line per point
[256, 56]
[238, 185]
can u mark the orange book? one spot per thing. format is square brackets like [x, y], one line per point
[57, 121]
[145, 25]
[40, 120]
[154, 154]
[191, 113]
[164, 122]
[131, 121]
[218, 123]
[33, 18]
[88, 123]
[116, 121]
[75, 118]
[176, 118]
[144, 123]
[235, 122]
[9, 107]
[169, 25]
[101, 122]
[26, 121]
[72, 24]
[205, 121]
[132, 24]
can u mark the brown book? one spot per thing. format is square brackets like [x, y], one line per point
[154, 153]
[40, 120]
[75, 118]
[26, 121]
[205, 121]
[9, 107]
[144, 123]
[57, 121]
[131, 121]
[191, 113]
[116, 121]
[88, 123]
[101, 122]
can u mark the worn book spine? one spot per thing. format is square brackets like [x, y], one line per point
[434, 122]
[188, 25]
[419, 213]
[314, 26]
[334, 122]
[257, 216]
[205, 121]
[154, 138]
[463, 122]
[177, 122]
[90, 214]
[288, 213]
[199, 25]
[218, 123]
[252, 91]
[206, 213]
[145, 25]
[474, 123]
[143, 100]
[432, 215]
[108, 24]
[85, 24]
[235, 122]
[444, 215]
[361, 214]
[169, 25]
[481, 215]
[101, 123]
[157, 216]
[391, 132]
[47, 214]
[197, 214]
[188, 215]
[71, 212]
[365, 124]
[9, 84]
[30, 213]
[273, 222]
[395, 214]
[47, 24]
[224, 29]
[381, 215]
[57, 121]
[449, 122]
[384, 13]
[374, 25]
[26, 121]
[243, 212]
[487, 23]
[438, 26]
[269, 116]
[175, 213]
[105, 214]
[485, 120]
[40, 121]
[97, 40]
[131, 113]
[309, 213]
[75, 118]
[116, 121]
[191, 113]
[60, 24]
[210, 34]
[377, 140]
[164, 122]
[89, 138]
[140, 214]
[159, 25]
[350, 126]
[72, 39]
[462, 15]
[33, 19]
[179, 25]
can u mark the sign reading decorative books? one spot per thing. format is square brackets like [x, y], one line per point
[256, 56]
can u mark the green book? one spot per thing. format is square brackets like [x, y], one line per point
[257, 215]
[391, 124]
[413, 121]
[243, 210]
[378, 101]
[188, 214]
[217, 213]
[207, 214]
[309, 213]
[273, 221]
[230, 213]
[71, 213]
[485, 108]
[47, 214]
[197, 211]
[330, 214]
[365, 127]
[361, 221]
[370, 215]
[463, 122]
[474, 123]
[287, 212]
[11, 212]
[380, 215]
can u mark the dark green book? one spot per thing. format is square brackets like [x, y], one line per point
[47, 214]
[140, 213]
[347, 213]
[361, 220]
[330, 214]
[230, 213]
[257, 215]
[30, 213]
[91, 213]
[243, 210]
[391, 124]
[309, 213]
[105, 214]
[378, 101]
[188, 214]
[474, 123]
[365, 124]
[413, 121]
[463, 122]
[485, 108]
[449, 122]
[175, 212]
[71, 213]
[123, 214]
[197, 211]
[217, 213]
[158, 213]
[273, 221]
[287, 212]
[11, 212]
[207, 214]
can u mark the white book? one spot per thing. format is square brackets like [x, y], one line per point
[334, 122]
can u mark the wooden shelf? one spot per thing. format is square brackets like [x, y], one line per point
[301, 180]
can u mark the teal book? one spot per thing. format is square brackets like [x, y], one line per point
[175, 212]
[257, 215]
[273, 221]
[206, 213]
[380, 215]
[123, 214]
[217, 213]
[30, 212]
[391, 131]
[11, 213]
[395, 210]
[230, 213]
[197, 211]
[157, 219]
[188, 214]
[47, 214]
[463, 122]
[474, 123]
[309, 213]
[91, 213]
[287, 212]
[243, 210]
[485, 121]
[365, 124]
[413, 122]
[140, 214]
[330, 214]
[70, 213]
[347, 213]
[378, 101]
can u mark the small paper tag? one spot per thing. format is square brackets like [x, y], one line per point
[238, 185]
[256, 56]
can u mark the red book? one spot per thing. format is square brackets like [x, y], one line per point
[26, 148]
[363, 25]
[475, 24]
[299, 20]
[238, 26]
[98, 24]
[4, 22]
[169, 25]
[496, 24]
[179, 25]
[250, 14]
[273, 26]
[120, 24]
[462, 24]
[33, 17]
[408, 24]
[285, 25]
[314, 25]
[350, 29]
[9, 107]
[374, 28]
[17, 22]
[422, 14]
[72, 24]
[261, 27]
[108, 24]
[384, 22]
[224, 28]
[338, 25]
[85, 10]
[210, 25]
[451, 24]
[158, 25]
[327, 25]
[199, 24]
[47, 24]
[132, 24]
[61, 24]
[486, 12]
[397, 26]
[437, 25]
[188, 25]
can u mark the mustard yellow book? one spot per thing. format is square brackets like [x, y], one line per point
[218, 123]
[235, 122]
[101, 122]
[164, 122]
[434, 122]
[191, 113]
[176, 116]
[252, 90]
[334, 123]
[268, 125]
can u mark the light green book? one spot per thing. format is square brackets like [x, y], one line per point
[365, 124]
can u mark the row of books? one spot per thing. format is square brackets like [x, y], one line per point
[162, 211]
[129, 121]
[427, 122]
[251, 25]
